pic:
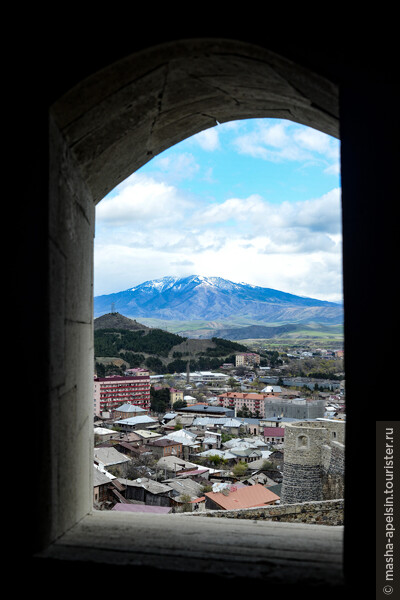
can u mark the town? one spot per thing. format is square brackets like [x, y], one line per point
[235, 438]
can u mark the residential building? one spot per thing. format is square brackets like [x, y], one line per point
[109, 457]
[165, 447]
[111, 392]
[274, 434]
[208, 378]
[276, 421]
[127, 410]
[301, 408]
[237, 400]
[247, 359]
[234, 497]
[147, 491]
[206, 409]
[175, 395]
[140, 422]
[101, 485]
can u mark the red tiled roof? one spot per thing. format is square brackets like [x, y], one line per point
[244, 497]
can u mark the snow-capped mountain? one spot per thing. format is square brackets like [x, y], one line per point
[213, 298]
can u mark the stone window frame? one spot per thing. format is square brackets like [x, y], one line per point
[300, 445]
[61, 517]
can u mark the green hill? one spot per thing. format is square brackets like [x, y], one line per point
[124, 342]
[116, 321]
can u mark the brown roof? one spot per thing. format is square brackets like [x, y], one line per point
[243, 497]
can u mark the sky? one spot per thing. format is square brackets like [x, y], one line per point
[254, 201]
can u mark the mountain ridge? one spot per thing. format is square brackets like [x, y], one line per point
[214, 298]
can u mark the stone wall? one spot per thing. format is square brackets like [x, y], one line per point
[313, 461]
[333, 472]
[325, 512]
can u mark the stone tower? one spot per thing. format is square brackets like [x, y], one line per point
[313, 466]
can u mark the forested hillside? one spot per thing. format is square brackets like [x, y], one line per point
[110, 342]
[161, 351]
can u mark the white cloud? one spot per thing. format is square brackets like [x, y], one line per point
[320, 214]
[313, 140]
[207, 139]
[177, 166]
[285, 141]
[142, 199]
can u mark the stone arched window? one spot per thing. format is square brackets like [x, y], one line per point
[302, 442]
[103, 129]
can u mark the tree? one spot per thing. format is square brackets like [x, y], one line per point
[154, 364]
[179, 404]
[216, 460]
[186, 503]
[244, 412]
[232, 382]
[159, 400]
[140, 467]
[239, 469]
[267, 465]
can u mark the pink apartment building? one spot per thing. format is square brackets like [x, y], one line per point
[236, 400]
[111, 392]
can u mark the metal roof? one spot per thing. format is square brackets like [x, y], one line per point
[109, 456]
[154, 487]
[139, 419]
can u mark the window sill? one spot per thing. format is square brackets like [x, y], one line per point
[259, 550]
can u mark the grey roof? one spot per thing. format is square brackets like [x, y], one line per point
[249, 420]
[104, 431]
[186, 486]
[127, 407]
[99, 478]
[154, 487]
[109, 456]
[137, 420]
[223, 453]
[232, 423]
[174, 463]
[284, 419]
[205, 408]
[170, 415]
[186, 438]
[245, 452]
[223, 421]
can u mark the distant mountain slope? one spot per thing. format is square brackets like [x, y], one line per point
[279, 331]
[213, 298]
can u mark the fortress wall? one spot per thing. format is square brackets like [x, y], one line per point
[333, 473]
[327, 512]
[313, 461]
